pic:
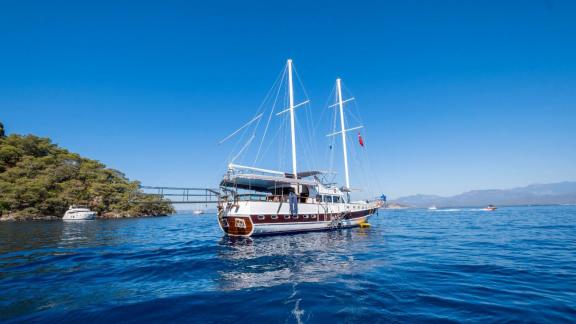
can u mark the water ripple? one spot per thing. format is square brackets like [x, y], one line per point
[516, 264]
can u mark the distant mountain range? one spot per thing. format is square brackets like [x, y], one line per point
[536, 194]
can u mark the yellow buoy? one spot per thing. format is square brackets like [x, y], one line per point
[363, 225]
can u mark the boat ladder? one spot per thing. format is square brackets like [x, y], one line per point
[336, 222]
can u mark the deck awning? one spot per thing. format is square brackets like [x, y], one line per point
[304, 174]
[260, 182]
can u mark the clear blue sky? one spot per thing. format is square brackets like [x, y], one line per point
[456, 95]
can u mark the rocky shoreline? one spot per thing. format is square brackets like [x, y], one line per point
[109, 215]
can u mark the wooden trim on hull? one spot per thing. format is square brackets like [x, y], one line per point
[236, 225]
[253, 226]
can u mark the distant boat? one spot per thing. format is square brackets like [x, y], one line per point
[490, 208]
[198, 212]
[79, 213]
[432, 208]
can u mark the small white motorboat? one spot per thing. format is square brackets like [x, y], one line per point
[79, 213]
[432, 208]
[198, 212]
[490, 208]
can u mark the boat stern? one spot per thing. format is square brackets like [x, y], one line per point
[236, 225]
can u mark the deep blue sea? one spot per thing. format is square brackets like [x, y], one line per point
[514, 264]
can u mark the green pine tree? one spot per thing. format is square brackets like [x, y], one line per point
[38, 178]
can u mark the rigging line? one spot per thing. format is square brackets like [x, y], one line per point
[304, 154]
[273, 139]
[368, 173]
[243, 148]
[309, 144]
[308, 129]
[300, 82]
[305, 141]
[237, 144]
[284, 143]
[309, 161]
[332, 116]
[348, 94]
[280, 78]
[262, 104]
[356, 111]
[363, 166]
[282, 139]
[377, 176]
[327, 153]
[309, 125]
[270, 116]
[325, 108]
[261, 107]
[240, 129]
[334, 123]
[356, 167]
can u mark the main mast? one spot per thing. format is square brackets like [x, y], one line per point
[343, 132]
[292, 126]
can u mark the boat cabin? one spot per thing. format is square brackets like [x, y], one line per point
[246, 183]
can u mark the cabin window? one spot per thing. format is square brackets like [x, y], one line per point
[274, 216]
[286, 216]
[336, 199]
[295, 216]
[313, 216]
[306, 216]
[318, 198]
[261, 217]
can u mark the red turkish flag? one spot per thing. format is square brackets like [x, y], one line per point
[360, 140]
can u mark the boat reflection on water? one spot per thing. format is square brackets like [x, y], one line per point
[275, 260]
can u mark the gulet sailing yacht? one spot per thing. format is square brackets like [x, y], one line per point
[288, 202]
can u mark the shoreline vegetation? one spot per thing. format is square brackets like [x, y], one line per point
[39, 181]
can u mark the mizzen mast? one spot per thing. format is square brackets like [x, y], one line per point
[343, 130]
[342, 126]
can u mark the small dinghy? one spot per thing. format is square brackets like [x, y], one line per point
[79, 213]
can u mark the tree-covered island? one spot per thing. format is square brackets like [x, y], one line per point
[40, 180]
